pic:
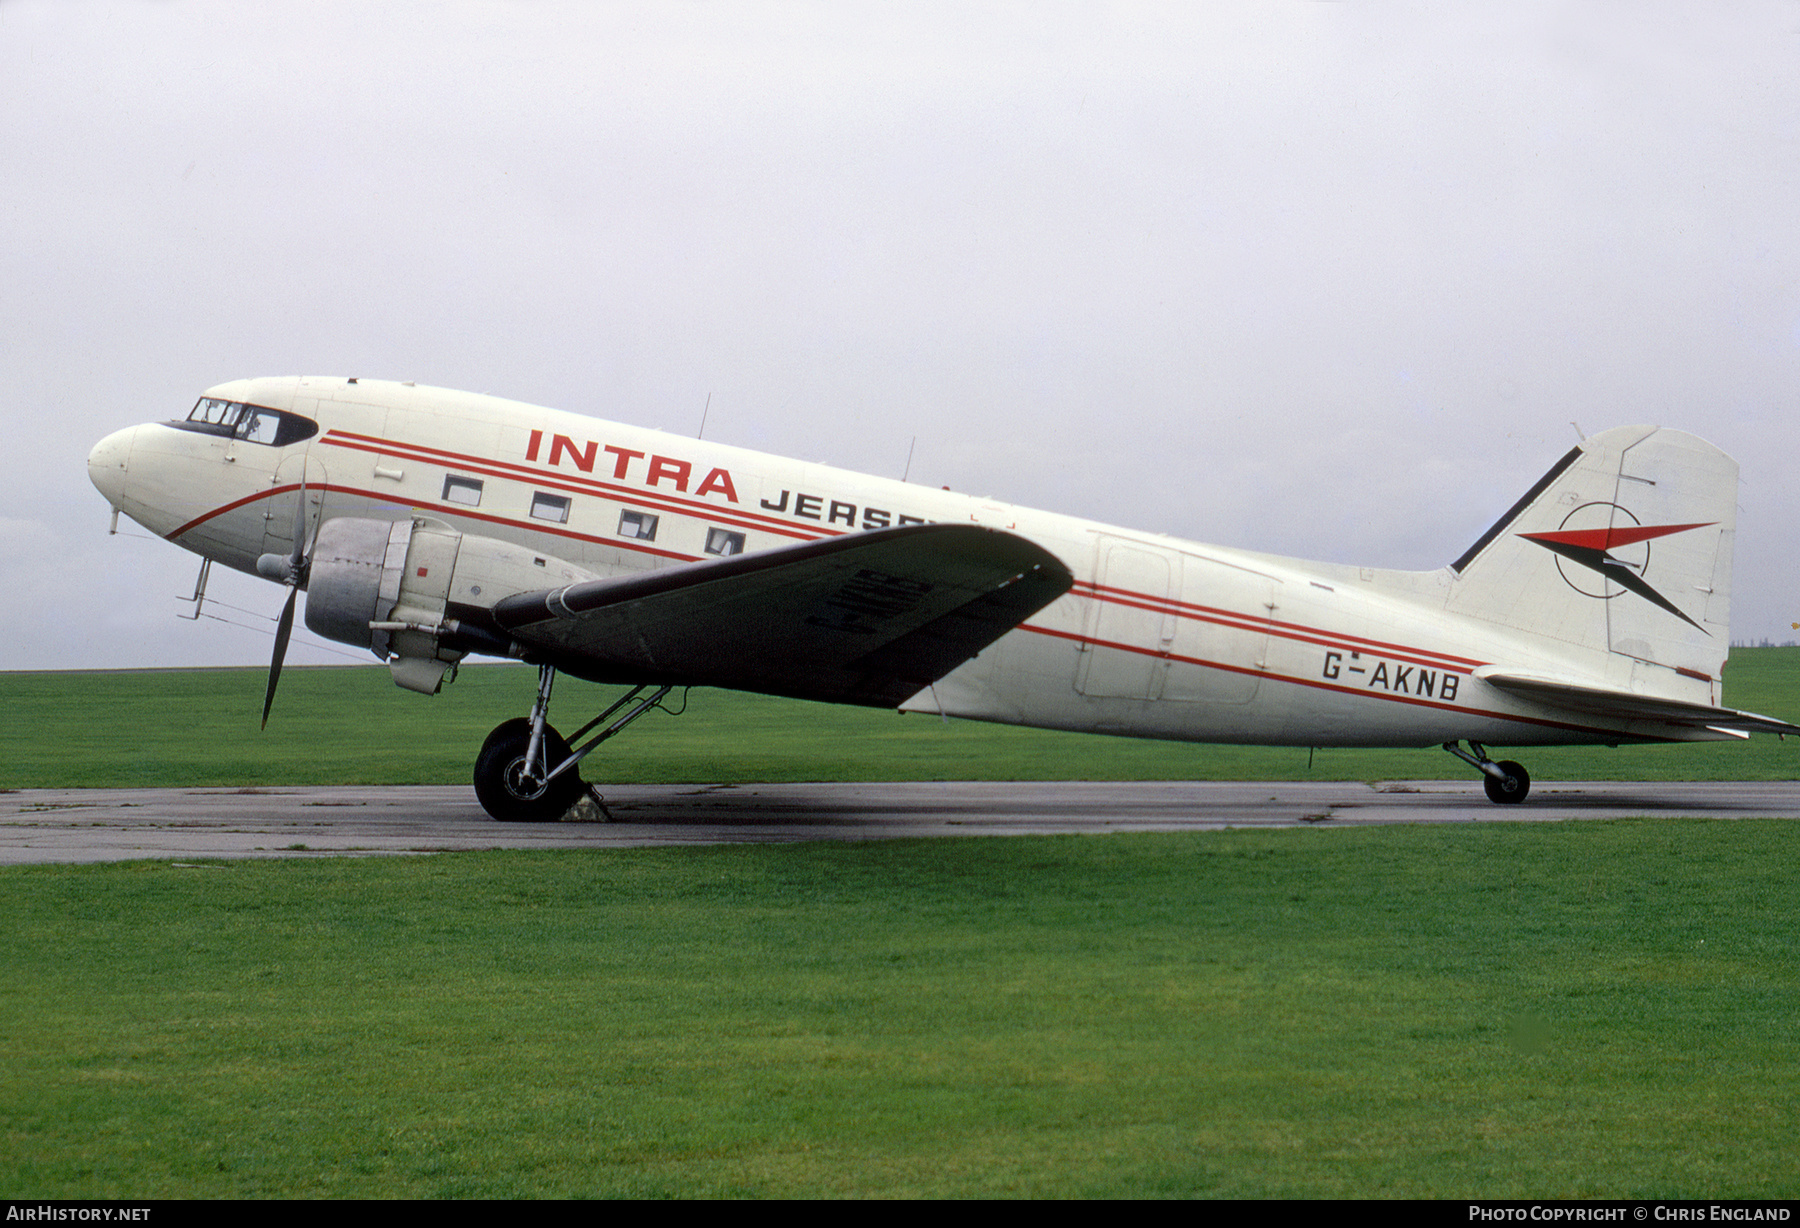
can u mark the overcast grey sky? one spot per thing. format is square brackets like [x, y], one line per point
[1330, 280]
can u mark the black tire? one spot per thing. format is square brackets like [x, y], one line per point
[497, 784]
[1513, 789]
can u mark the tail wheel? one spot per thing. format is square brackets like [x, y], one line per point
[504, 788]
[1511, 789]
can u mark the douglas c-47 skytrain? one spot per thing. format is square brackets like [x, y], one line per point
[426, 525]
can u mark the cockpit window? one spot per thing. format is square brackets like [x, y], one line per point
[260, 426]
[215, 412]
[254, 423]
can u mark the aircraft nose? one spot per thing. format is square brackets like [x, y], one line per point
[109, 463]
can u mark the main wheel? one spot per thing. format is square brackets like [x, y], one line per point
[500, 782]
[1513, 789]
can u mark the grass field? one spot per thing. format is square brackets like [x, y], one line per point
[1532, 1010]
[1596, 1009]
[352, 725]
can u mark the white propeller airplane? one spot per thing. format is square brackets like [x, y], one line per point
[426, 525]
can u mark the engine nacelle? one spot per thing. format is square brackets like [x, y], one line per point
[386, 585]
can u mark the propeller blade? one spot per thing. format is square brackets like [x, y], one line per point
[298, 556]
[282, 631]
[299, 562]
[312, 541]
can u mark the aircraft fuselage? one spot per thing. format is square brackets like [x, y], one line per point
[1158, 637]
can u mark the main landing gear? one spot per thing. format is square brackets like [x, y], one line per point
[526, 772]
[1506, 782]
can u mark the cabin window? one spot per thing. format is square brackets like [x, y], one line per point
[466, 491]
[641, 525]
[549, 507]
[723, 541]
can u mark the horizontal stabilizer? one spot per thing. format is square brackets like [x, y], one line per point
[1613, 705]
[865, 618]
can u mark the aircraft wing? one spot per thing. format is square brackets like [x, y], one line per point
[1588, 700]
[866, 618]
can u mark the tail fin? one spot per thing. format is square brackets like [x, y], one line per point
[1623, 548]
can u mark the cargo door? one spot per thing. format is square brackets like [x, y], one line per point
[1130, 624]
[1222, 643]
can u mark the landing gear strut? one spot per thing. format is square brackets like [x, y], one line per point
[1506, 782]
[527, 773]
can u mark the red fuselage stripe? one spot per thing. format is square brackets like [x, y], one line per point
[1274, 626]
[557, 480]
[1316, 683]
[454, 509]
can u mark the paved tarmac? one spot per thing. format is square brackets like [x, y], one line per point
[80, 825]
